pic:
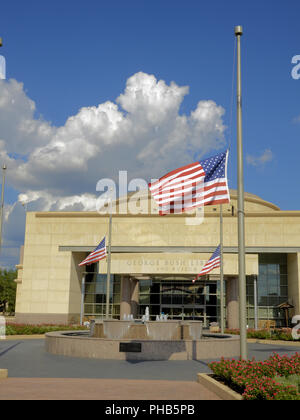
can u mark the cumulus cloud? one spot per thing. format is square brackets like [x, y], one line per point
[266, 156]
[21, 130]
[47, 202]
[143, 132]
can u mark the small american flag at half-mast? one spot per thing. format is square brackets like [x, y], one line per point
[199, 184]
[98, 254]
[213, 262]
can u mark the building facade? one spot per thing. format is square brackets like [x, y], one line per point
[154, 260]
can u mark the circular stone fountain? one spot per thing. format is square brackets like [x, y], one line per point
[130, 340]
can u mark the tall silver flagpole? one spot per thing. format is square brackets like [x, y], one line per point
[108, 260]
[82, 298]
[241, 214]
[221, 271]
[255, 304]
[2, 204]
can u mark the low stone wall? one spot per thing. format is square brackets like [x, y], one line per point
[209, 347]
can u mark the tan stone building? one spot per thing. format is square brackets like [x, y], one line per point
[154, 260]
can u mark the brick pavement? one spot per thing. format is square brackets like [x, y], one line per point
[101, 389]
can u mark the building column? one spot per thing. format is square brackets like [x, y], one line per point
[135, 297]
[232, 303]
[125, 306]
[129, 297]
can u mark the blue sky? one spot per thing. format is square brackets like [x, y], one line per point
[70, 55]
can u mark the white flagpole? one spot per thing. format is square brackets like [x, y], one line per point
[82, 298]
[255, 304]
[221, 271]
[108, 261]
[2, 204]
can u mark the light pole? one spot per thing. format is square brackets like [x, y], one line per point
[2, 203]
[109, 258]
[241, 212]
[2, 193]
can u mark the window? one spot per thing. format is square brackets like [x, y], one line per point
[95, 294]
[180, 298]
[272, 289]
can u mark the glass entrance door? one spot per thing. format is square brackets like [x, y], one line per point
[185, 313]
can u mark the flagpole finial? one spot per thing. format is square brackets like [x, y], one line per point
[238, 30]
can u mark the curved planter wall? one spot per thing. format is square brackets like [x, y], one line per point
[209, 347]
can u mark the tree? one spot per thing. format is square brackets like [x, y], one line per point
[8, 289]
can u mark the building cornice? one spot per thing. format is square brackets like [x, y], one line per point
[184, 249]
[281, 213]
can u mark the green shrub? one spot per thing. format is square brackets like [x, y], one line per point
[8, 289]
[24, 329]
[284, 334]
[293, 380]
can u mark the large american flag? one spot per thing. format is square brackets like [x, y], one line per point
[98, 254]
[212, 263]
[199, 184]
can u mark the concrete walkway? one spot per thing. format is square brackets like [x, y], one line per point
[101, 389]
[35, 374]
[28, 359]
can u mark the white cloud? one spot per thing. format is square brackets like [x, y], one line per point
[57, 168]
[266, 156]
[47, 202]
[149, 100]
[144, 134]
[20, 130]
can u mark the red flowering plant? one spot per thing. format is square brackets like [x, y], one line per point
[285, 365]
[253, 379]
[268, 389]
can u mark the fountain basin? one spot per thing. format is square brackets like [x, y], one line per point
[211, 346]
[150, 330]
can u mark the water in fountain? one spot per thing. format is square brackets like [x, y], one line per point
[147, 314]
[195, 330]
[164, 330]
[116, 329]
